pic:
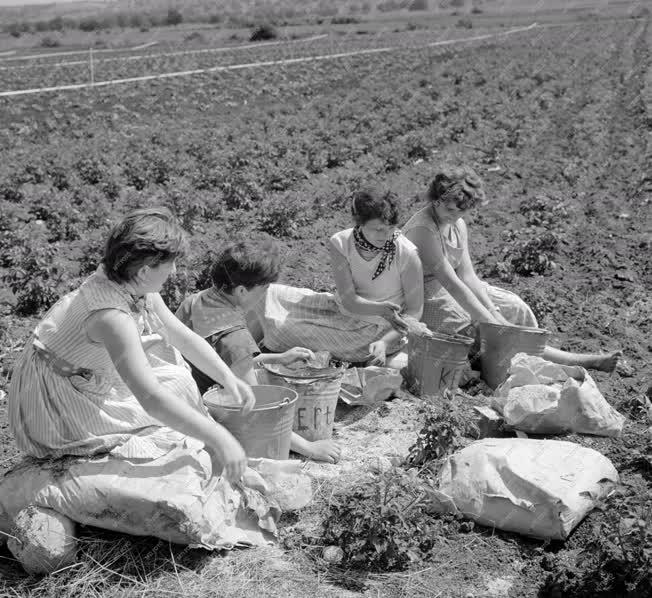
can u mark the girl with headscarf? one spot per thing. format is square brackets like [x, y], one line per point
[378, 276]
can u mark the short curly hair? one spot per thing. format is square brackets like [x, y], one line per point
[246, 263]
[148, 236]
[372, 203]
[459, 184]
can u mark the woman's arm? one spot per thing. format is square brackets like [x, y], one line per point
[412, 284]
[118, 333]
[201, 354]
[434, 260]
[467, 274]
[244, 369]
[346, 289]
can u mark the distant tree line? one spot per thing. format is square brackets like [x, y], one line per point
[101, 22]
[280, 15]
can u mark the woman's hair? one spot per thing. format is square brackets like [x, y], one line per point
[371, 203]
[148, 236]
[461, 185]
[246, 263]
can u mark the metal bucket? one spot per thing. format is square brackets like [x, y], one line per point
[267, 430]
[315, 413]
[498, 344]
[436, 362]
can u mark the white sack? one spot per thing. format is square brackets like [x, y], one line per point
[542, 397]
[372, 384]
[42, 540]
[175, 498]
[538, 488]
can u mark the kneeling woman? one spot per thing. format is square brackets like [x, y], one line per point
[454, 295]
[89, 382]
[378, 275]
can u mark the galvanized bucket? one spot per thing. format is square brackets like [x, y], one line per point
[435, 362]
[267, 430]
[498, 344]
[315, 413]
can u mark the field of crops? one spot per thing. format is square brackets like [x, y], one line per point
[555, 118]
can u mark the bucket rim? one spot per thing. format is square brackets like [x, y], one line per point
[516, 326]
[269, 407]
[326, 374]
[459, 339]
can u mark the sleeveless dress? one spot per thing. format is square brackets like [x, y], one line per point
[292, 316]
[67, 398]
[441, 312]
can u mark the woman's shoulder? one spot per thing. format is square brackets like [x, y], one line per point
[342, 234]
[99, 292]
[404, 244]
[461, 228]
[341, 239]
[421, 218]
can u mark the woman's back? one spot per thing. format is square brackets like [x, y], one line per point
[452, 244]
[63, 329]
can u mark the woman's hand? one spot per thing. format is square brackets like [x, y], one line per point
[295, 354]
[241, 392]
[501, 319]
[228, 456]
[391, 312]
[378, 351]
[498, 318]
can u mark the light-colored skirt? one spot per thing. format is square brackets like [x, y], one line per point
[443, 314]
[298, 317]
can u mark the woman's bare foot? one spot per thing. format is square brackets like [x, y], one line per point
[607, 362]
[325, 450]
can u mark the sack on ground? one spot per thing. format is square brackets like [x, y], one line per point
[538, 488]
[175, 498]
[542, 397]
[372, 384]
[284, 481]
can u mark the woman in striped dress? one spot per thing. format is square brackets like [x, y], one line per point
[455, 298]
[103, 372]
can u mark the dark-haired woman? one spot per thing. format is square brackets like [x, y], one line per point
[90, 381]
[378, 276]
[455, 297]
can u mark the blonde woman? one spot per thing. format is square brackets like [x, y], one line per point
[455, 297]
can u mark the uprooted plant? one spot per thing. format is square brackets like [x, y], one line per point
[443, 431]
[384, 523]
[389, 521]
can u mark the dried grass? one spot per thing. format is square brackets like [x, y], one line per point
[117, 566]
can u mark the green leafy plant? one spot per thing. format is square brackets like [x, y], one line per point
[282, 216]
[36, 282]
[383, 524]
[543, 210]
[529, 256]
[443, 431]
[540, 302]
